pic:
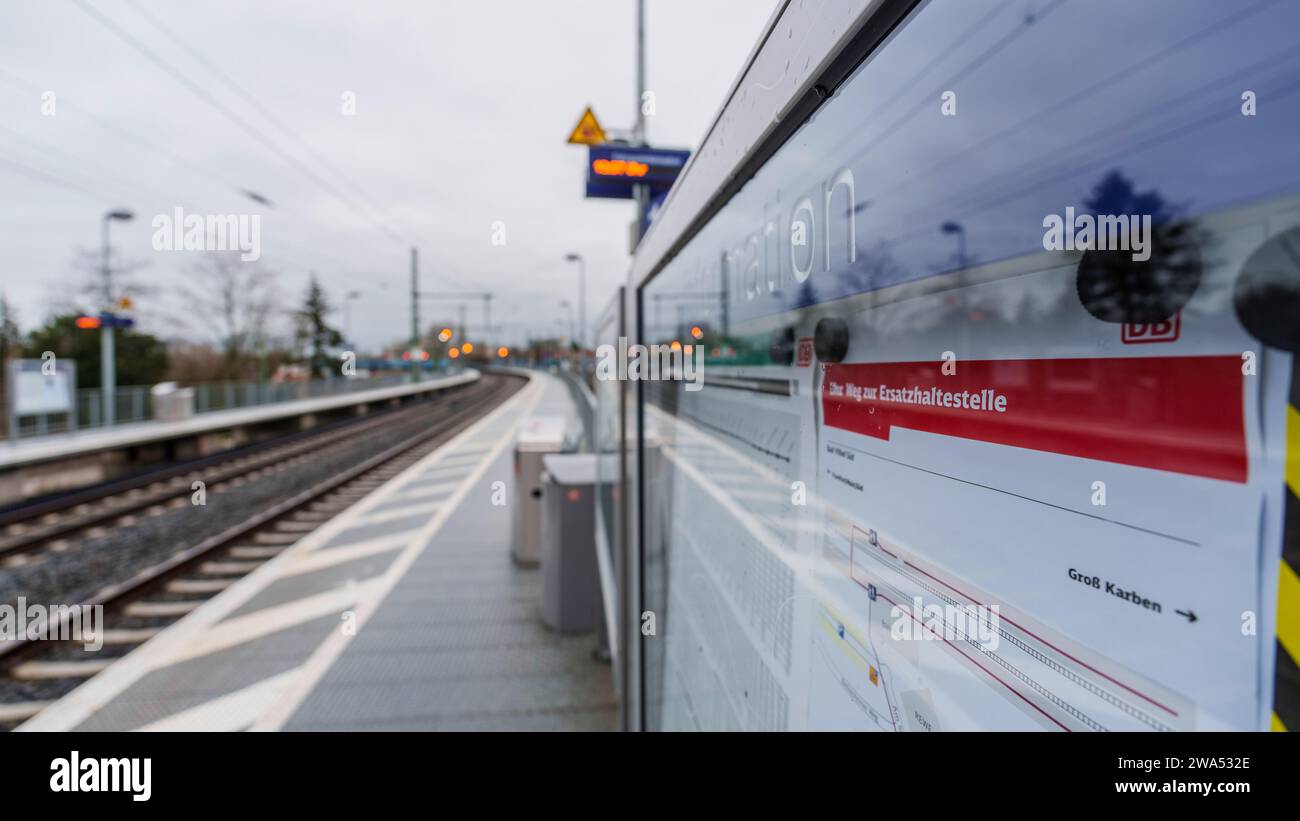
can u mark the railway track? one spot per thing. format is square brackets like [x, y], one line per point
[35, 673]
[50, 523]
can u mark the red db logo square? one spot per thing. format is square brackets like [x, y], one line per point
[1142, 333]
[804, 353]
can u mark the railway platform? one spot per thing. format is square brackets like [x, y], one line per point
[31, 467]
[404, 612]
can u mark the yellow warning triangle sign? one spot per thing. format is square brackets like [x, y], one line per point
[588, 130]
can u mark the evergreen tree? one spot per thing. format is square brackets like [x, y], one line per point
[141, 357]
[315, 335]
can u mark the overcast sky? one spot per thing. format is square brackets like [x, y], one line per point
[462, 110]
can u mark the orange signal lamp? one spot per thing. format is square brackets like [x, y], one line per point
[503, 352]
[697, 332]
[453, 353]
[88, 322]
[444, 335]
[676, 346]
[467, 348]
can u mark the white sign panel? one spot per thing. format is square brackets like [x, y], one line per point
[36, 392]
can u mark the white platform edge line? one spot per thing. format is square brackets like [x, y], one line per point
[329, 651]
[81, 703]
[231, 712]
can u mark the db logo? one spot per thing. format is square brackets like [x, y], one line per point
[1141, 333]
[804, 352]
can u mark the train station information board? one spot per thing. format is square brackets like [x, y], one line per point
[613, 171]
[949, 471]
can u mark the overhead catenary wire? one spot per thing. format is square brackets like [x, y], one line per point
[153, 146]
[100, 193]
[270, 116]
[243, 124]
[54, 179]
[69, 160]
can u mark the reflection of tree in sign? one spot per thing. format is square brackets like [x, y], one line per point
[1113, 286]
[1267, 292]
[876, 268]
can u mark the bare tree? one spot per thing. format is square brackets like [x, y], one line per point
[87, 267]
[236, 303]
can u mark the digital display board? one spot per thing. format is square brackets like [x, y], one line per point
[612, 170]
[951, 470]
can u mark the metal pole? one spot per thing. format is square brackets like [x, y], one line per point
[568, 309]
[415, 313]
[640, 192]
[582, 303]
[460, 312]
[726, 296]
[639, 131]
[347, 317]
[107, 351]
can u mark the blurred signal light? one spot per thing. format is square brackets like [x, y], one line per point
[453, 353]
[424, 356]
[88, 322]
[676, 346]
[444, 334]
[620, 168]
[467, 348]
[697, 332]
[503, 352]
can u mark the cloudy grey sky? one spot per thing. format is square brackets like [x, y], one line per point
[462, 110]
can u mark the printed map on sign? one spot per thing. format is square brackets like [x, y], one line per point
[1098, 497]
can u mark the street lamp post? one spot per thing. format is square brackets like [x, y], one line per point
[959, 230]
[107, 350]
[582, 296]
[347, 316]
[568, 308]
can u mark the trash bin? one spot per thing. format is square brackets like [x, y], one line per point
[171, 403]
[570, 578]
[538, 436]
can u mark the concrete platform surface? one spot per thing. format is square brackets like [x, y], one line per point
[404, 613]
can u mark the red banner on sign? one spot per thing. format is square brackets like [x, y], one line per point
[1180, 414]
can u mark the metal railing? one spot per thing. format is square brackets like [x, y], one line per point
[134, 403]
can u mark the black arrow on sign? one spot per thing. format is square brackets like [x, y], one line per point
[1190, 615]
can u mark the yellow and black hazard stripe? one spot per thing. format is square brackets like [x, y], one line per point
[1286, 689]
